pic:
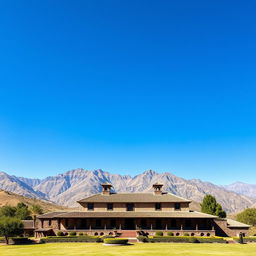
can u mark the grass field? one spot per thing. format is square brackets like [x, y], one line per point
[77, 249]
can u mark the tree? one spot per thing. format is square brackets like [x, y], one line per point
[210, 206]
[7, 211]
[22, 212]
[247, 216]
[220, 212]
[10, 226]
[35, 210]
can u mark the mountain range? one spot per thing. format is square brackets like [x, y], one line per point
[67, 188]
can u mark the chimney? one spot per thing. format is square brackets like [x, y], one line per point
[106, 188]
[157, 188]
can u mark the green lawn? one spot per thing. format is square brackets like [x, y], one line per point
[77, 249]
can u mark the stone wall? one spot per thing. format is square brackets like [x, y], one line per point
[222, 229]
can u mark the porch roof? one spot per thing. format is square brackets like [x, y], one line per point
[131, 214]
[236, 224]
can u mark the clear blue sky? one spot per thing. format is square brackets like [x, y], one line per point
[127, 86]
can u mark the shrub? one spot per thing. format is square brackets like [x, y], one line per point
[193, 240]
[81, 234]
[186, 234]
[184, 239]
[21, 240]
[115, 241]
[72, 239]
[10, 227]
[108, 236]
[248, 216]
[246, 239]
[170, 234]
[60, 233]
[72, 233]
[143, 239]
[159, 233]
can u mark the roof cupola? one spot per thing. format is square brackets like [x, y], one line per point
[158, 188]
[106, 187]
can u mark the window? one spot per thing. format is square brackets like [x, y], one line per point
[109, 207]
[50, 222]
[158, 207]
[177, 206]
[90, 206]
[130, 207]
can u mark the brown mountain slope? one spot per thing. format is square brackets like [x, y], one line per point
[12, 199]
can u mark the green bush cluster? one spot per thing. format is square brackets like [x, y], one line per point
[115, 241]
[180, 239]
[246, 239]
[59, 239]
[21, 240]
[159, 233]
[170, 234]
[60, 233]
[73, 233]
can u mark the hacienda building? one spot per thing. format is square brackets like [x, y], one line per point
[132, 214]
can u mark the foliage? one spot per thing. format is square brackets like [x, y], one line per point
[7, 211]
[181, 239]
[186, 234]
[246, 239]
[35, 210]
[73, 233]
[210, 206]
[86, 239]
[21, 240]
[159, 233]
[170, 234]
[20, 211]
[143, 239]
[248, 216]
[220, 212]
[10, 227]
[60, 233]
[115, 241]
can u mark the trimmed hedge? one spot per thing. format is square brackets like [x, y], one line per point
[72, 239]
[60, 233]
[159, 233]
[115, 241]
[21, 240]
[246, 239]
[73, 233]
[184, 239]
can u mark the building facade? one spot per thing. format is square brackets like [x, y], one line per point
[132, 214]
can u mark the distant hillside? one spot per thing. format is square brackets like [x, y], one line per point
[69, 187]
[242, 188]
[12, 199]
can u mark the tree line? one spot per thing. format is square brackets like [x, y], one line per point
[11, 218]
